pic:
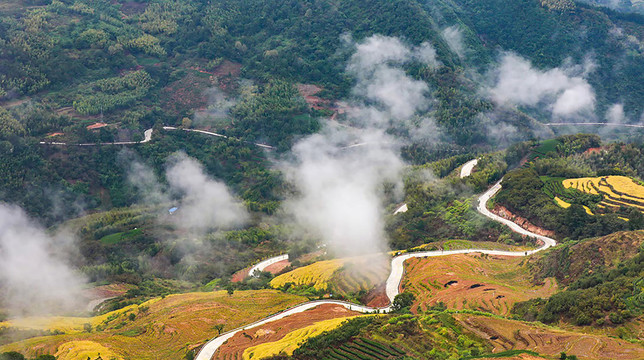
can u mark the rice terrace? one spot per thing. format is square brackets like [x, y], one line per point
[611, 193]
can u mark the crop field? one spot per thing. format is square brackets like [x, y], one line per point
[544, 148]
[318, 274]
[471, 281]
[292, 340]
[617, 191]
[73, 350]
[340, 275]
[276, 330]
[121, 236]
[507, 334]
[164, 328]
[610, 193]
[365, 349]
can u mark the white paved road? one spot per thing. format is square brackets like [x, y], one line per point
[467, 168]
[147, 136]
[594, 124]
[266, 263]
[393, 282]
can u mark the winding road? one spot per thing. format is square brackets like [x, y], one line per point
[147, 136]
[595, 124]
[266, 263]
[466, 169]
[395, 277]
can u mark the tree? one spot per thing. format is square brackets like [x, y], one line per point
[402, 302]
[219, 328]
[636, 219]
[230, 290]
[12, 356]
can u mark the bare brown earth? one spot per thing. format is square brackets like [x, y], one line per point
[228, 68]
[273, 269]
[506, 334]
[523, 222]
[273, 331]
[471, 281]
[277, 267]
[376, 297]
[240, 275]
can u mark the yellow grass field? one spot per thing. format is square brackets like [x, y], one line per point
[617, 191]
[341, 275]
[68, 324]
[292, 340]
[471, 281]
[74, 350]
[317, 274]
[162, 328]
[562, 203]
[566, 205]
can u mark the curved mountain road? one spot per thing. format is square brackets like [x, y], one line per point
[266, 263]
[395, 277]
[466, 169]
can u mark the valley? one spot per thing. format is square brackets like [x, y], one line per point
[321, 180]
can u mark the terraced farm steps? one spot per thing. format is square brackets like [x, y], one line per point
[616, 191]
[395, 277]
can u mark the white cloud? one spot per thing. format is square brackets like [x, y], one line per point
[518, 83]
[453, 36]
[205, 203]
[35, 275]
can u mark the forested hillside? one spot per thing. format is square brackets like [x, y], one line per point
[65, 65]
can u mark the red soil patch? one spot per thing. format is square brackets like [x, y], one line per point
[55, 134]
[185, 94]
[523, 222]
[308, 92]
[376, 297]
[308, 89]
[593, 150]
[276, 330]
[278, 267]
[228, 68]
[273, 269]
[97, 125]
[240, 275]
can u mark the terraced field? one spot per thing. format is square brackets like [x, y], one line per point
[471, 281]
[74, 350]
[159, 329]
[277, 330]
[292, 340]
[506, 334]
[342, 276]
[617, 191]
[318, 274]
[366, 349]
